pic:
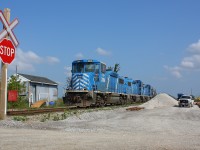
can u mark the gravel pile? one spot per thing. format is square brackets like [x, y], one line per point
[160, 100]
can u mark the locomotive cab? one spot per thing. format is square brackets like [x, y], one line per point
[87, 76]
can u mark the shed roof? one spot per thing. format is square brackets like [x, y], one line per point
[38, 79]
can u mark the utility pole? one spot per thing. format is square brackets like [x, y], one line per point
[3, 93]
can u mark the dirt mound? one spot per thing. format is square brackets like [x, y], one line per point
[160, 100]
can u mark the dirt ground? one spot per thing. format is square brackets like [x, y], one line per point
[160, 128]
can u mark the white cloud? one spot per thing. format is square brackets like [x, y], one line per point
[102, 52]
[191, 62]
[21, 66]
[79, 56]
[26, 60]
[68, 71]
[175, 71]
[195, 47]
[28, 56]
[52, 60]
[188, 63]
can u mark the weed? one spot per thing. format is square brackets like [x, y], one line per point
[89, 110]
[56, 118]
[43, 119]
[48, 116]
[64, 116]
[20, 118]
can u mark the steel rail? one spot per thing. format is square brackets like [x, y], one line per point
[37, 111]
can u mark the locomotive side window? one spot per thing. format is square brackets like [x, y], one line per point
[103, 68]
[121, 81]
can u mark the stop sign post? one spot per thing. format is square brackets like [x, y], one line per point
[7, 54]
[7, 51]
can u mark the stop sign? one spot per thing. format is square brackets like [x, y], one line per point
[7, 51]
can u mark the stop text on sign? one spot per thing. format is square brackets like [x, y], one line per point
[7, 51]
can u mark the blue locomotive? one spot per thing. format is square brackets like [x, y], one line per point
[93, 84]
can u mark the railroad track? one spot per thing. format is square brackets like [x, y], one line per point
[37, 111]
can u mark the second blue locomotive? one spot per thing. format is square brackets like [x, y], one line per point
[93, 84]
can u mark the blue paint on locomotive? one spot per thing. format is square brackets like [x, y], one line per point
[92, 75]
[138, 87]
[82, 81]
[111, 83]
[147, 90]
[88, 75]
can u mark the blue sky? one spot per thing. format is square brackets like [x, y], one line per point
[156, 41]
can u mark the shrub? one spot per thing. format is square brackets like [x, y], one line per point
[21, 103]
[15, 84]
[59, 103]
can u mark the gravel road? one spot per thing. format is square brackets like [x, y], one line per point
[161, 125]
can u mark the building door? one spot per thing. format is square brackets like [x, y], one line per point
[34, 93]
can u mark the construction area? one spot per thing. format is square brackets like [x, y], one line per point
[158, 124]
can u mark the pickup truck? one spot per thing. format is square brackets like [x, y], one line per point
[186, 100]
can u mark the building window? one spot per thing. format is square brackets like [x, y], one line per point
[55, 93]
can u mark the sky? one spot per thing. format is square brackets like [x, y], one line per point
[156, 41]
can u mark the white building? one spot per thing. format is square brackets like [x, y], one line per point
[39, 88]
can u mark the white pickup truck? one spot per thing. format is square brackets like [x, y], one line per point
[186, 100]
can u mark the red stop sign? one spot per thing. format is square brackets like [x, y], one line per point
[7, 51]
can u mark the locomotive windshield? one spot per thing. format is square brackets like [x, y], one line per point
[85, 67]
[92, 67]
[78, 68]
